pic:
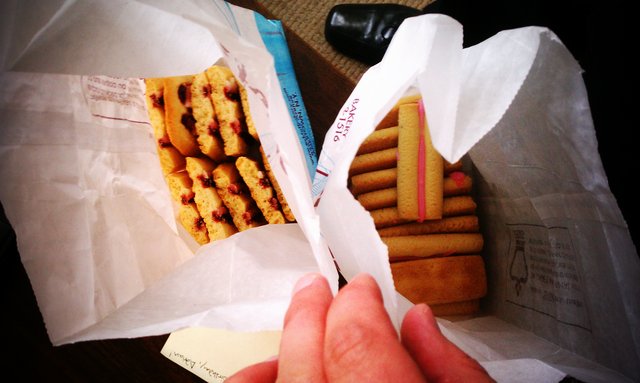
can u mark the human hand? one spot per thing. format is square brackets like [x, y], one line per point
[350, 338]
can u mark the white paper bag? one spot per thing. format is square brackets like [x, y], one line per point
[82, 185]
[560, 260]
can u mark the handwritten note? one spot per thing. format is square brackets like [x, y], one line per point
[214, 354]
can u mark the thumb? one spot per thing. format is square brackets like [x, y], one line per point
[438, 358]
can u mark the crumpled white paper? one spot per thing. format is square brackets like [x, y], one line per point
[69, 176]
[560, 259]
[82, 186]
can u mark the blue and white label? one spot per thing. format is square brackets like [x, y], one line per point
[273, 37]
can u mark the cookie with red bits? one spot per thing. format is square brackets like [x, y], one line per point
[211, 207]
[286, 210]
[190, 218]
[256, 179]
[206, 125]
[180, 186]
[179, 120]
[225, 95]
[236, 197]
[171, 160]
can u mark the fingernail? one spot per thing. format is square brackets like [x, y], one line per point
[305, 281]
[427, 316]
[364, 278]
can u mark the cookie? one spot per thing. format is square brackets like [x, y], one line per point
[180, 187]
[391, 118]
[211, 207]
[256, 179]
[452, 206]
[456, 183]
[376, 180]
[189, 217]
[442, 281]
[286, 210]
[369, 162]
[154, 99]
[225, 95]
[458, 224]
[179, 119]
[388, 197]
[236, 197]
[452, 167]
[431, 245]
[171, 160]
[207, 128]
[379, 199]
[386, 138]
[420, 167]
[387, 216]
[458, 205]
[472, 306]
[244, 100]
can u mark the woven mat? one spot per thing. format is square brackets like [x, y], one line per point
[307, 19]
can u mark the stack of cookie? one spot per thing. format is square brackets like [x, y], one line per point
[210, 155]
[423, 210]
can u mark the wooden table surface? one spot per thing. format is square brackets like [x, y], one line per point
[29, 355]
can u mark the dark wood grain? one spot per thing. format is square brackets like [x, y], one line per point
[29, 354]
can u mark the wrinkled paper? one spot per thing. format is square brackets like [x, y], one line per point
[95, 225]
[83, 188]
[560, 259]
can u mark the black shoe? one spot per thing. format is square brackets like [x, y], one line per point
[364, 31]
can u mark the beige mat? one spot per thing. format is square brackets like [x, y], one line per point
[307, 19]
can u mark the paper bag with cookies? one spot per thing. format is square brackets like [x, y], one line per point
[167, 174]
[472, 182]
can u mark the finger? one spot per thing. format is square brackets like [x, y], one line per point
[265, 372]
[361, 344]
[438, 358]
[300, 358]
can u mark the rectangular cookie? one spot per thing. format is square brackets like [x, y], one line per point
[178, 114]
[391, 118]
[244, 99]
[430, 245]
[472, 306]
[207, 128]
[236, 197]
[180, 187]
[190, 218]
[286, 210]
[420, 167]
[458, 224]
[377, 199]
[438, 281]
[378, 160]
[379, 140]
[211, 207]
[255, 177]
[225, 95]
[376, 180]
[171, 160]
[452, 206]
